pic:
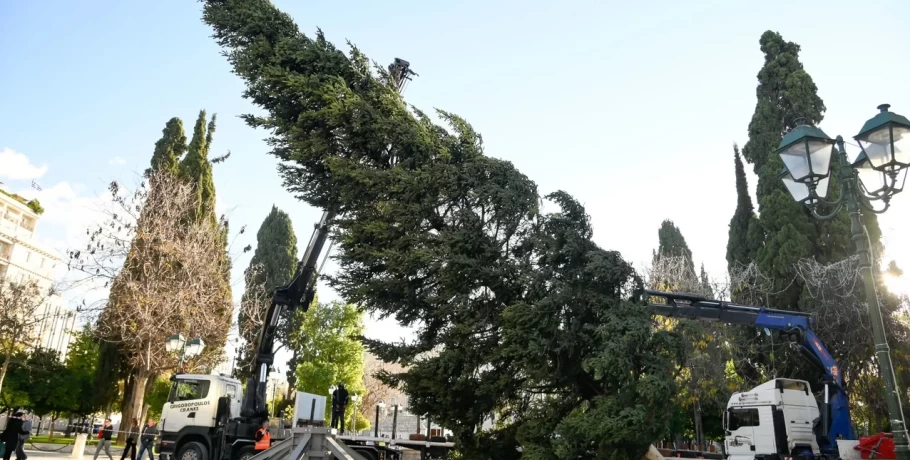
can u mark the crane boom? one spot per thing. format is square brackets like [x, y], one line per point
[795, 326]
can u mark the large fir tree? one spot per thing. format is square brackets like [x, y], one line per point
[519, 314]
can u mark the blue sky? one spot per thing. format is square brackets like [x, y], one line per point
[632, 107]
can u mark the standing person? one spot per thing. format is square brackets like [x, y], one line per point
[131, 437]
[11, 435]
[24, 437]
[263, 438]
[104, 439]
[149, 433]
[339, 404]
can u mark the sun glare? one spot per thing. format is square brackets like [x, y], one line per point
[899, 285]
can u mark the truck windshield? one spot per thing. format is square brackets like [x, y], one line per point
[187, 390]
[738, 418]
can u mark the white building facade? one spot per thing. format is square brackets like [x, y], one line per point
[23, 259]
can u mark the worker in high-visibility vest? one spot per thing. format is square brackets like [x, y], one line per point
[263, 439]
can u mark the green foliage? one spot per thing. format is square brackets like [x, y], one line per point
[169, 148]
[82, 363]
[329, 350]
[672, 244]
[35, 206]
[51, 389]
[195, 166]
[14, 393]
[518, 313]
[110, 369]
[741, 248]
[156, 396]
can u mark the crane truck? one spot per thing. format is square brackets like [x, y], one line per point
[781, 418]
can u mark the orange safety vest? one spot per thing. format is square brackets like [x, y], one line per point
[264, 442]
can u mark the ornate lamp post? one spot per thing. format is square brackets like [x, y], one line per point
[185, 348]
[877, 174]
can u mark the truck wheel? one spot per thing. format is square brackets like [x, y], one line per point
[193, 451]
[244, 453]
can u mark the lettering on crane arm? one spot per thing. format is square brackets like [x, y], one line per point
[190, 406]
[821, 349]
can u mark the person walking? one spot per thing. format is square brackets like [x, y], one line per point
[263, 438]
[24, 437]
[11, 435]
[339, 404]
[149, 433]
[104, 439]
[131, 437]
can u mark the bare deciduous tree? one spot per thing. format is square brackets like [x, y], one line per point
[256, 301]
[172, 278]
[23, 306]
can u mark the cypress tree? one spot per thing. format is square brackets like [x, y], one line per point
[740, 249]
[787, 96]
[196, 167]
[170, 147]
[671, 243]
[273, 264]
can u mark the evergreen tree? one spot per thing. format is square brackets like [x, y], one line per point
[196, 166]
[672, 244]
[744, 226]
[273, 265]
[519, 313]
[170, 147]
[787, 96]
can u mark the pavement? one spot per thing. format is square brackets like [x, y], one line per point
[66, 453]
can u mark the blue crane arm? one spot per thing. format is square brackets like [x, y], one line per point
[793, 325]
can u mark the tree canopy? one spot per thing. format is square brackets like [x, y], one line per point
[330, 351]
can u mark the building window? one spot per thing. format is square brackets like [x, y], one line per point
[42, 263]
[28, 256]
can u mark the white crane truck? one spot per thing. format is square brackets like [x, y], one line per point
[780, 419]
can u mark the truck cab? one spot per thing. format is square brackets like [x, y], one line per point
[189, 416]
[774, 420]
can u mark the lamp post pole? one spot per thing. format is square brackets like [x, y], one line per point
[882, 350]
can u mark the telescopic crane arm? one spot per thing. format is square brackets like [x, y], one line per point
[791, 325]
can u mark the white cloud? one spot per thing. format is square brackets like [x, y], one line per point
[117, 161]
[16, 166]
[70, 210]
